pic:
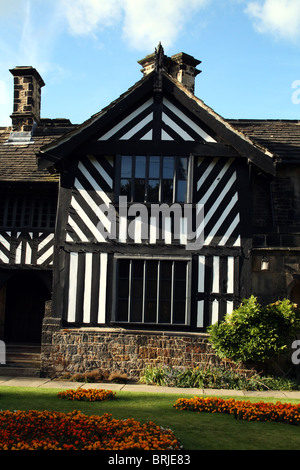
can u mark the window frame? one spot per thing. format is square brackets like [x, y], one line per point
[133, 178]
[161, 258]
[21, 210]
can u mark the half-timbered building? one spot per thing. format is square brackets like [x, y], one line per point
[142, 226]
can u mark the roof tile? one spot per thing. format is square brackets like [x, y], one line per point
[18, 161]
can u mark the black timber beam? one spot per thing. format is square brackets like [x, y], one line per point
[157, 148]
[160, 249]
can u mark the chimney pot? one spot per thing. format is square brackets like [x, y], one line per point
[180, 66]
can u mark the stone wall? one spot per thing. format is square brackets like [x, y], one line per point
[121, 351]
[281, 279]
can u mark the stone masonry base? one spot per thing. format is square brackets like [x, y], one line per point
[121, 351]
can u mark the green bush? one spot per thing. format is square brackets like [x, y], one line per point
[255, 333]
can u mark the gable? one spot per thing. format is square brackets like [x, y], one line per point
[169, 121]
[140, 124]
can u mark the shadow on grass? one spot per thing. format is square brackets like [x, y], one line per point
[196, 431]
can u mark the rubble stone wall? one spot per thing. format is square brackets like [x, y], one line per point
[122, 351]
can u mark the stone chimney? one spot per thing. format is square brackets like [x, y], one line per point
[180, 66]
[27, 100]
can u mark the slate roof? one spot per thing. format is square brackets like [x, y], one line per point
[18, 162]
[281, 137]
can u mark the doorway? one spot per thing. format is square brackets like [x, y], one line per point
[26, 294]
[295, 293]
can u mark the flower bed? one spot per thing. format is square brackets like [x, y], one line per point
[87, 394]
[246, 410]
[45, 430]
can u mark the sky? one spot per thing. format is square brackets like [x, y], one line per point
[87, 52]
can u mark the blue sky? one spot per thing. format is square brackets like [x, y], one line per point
[87, 52]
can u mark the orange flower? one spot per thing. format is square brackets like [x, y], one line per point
[45, 430]
[246, 410]
[87, 394]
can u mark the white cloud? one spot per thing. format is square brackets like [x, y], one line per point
[280, 18]
[28, 34]
[11, 7]
[148, 22]
[85, 17]
[40, 32]
[143, 22]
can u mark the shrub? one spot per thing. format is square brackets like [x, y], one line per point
[118, 377]
[154, 375]
[214, 377]
[255, 333]
[89, 376]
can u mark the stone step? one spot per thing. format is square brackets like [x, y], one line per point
[22, 360]
[8, 371]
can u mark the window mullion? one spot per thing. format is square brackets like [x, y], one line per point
[187, 283]
[132, 199]
[129, 291]
[144, 292]
[190, 179]
[47, 204]
[23, 212]
[146, 198]
[34, 201]
[172, 293]
[14, 211]
[160, 195]
[5, 214]
[158, 292]
[175, 177]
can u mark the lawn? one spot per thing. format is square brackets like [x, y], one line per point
[196, 431]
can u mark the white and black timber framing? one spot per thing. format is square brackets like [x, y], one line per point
[156, 117]
[27, 225]
[26, 248]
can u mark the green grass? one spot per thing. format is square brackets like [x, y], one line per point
[197, 431]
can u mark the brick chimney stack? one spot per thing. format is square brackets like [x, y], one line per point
[27, 99]
[180, 66]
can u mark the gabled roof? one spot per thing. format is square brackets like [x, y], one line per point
[51, 154]
[153, 108]
[280, 136]
[18, 162]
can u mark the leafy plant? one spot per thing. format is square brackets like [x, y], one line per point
[255, 333]
[153, 375]
[214, 378]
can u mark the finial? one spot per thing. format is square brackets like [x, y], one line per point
[159, 57]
